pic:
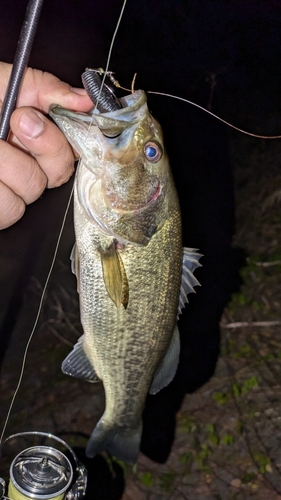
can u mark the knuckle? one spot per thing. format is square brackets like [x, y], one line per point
[37, 182]
[12, 209]
[63, 167]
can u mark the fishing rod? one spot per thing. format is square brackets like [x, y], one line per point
[20, 62]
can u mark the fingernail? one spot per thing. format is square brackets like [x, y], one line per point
[78, 91]
[31, 124]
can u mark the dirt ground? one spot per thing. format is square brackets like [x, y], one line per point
[228, 437]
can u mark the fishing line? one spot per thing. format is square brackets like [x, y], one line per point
[110, 51]
[37, 317]
[215, 116]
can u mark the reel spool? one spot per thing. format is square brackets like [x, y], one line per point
[45, 473]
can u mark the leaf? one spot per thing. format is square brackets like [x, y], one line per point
[147, 479]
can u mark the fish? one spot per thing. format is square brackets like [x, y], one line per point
[133, 275]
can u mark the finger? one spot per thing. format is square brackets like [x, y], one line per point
[40, 89]
[46, 143]
[21, 173]
[12, 206]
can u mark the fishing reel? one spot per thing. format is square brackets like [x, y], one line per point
[44, 472]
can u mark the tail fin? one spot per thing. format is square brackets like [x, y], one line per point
[124, 444]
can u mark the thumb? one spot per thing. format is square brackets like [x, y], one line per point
[46, 144]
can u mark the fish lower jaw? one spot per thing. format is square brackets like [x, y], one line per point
[121, 208]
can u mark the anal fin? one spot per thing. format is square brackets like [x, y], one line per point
[77, 364]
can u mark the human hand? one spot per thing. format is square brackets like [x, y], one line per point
[37, 154]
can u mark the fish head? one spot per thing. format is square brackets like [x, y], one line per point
[123, 177]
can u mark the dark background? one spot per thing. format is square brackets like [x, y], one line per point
[221, 54]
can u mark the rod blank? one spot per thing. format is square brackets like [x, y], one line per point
[22, 54]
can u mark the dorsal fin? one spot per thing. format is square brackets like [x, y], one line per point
[190, 261]
[168, 367]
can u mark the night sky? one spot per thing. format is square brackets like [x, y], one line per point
[173, 46]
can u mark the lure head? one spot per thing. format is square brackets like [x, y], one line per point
[123, 178]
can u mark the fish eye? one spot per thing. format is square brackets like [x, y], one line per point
[152, 151]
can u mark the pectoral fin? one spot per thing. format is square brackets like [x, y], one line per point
[190, 262]
[114, 276]
[168, 367]
[76, 364]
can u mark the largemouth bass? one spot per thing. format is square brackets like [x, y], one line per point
[133, 275]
